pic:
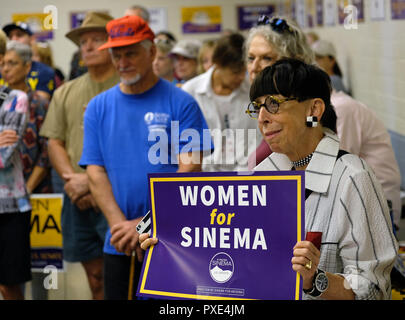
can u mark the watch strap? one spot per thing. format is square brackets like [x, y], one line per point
[314, 292]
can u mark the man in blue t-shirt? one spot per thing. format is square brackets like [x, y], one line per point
[140, 126]
[41, 77]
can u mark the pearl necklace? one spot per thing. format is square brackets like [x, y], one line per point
[302, 162]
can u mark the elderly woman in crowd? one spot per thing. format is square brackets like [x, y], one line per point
[265, 44]
[344, 200]
[184, 55]
[15, 208]
[360, 131]
[16, 66]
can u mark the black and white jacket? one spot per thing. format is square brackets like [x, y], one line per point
[348, 206]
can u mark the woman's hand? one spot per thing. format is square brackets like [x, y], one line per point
[146, 242]
[305, 261]
[8, 138]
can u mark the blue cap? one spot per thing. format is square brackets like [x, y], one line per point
[17, 25]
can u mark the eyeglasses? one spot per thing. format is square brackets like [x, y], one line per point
[271, 104]
[277, 24]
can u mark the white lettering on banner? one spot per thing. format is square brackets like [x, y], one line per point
[241, 240]
[209, 236]
[208, 195]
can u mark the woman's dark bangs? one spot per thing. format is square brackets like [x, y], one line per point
[262, 85]
[271, 82]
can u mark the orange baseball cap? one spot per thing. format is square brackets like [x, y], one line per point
[126, 31]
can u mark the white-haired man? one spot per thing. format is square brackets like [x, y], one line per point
[121, 127]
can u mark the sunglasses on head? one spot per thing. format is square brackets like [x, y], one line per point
[276, 24]
[271, 104]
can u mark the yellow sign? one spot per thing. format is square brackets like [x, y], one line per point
[37, 23]
[201, 19]
[46, 230]
[34, 20]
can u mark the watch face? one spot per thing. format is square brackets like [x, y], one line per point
[321, 282]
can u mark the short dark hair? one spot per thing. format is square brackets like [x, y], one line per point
[229, 52]
[167, 34]
[294, 78]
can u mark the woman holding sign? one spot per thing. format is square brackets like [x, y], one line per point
[344, 200]
[355, 259]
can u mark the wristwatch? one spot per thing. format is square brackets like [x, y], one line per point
[319, 284]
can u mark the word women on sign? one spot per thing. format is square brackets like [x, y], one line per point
[241, 195]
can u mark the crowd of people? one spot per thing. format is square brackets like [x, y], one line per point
[271, 100]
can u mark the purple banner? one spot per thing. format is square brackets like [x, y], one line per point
[190, 27]
[319, 13]
[398, 9]
[224, 236]
[248, 15]
[358, 15]
[44, 35]
[76, 19]
[40, 258]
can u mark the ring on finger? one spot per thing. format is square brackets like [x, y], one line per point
[308, 265]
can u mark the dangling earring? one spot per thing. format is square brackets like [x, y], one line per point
[312, 122]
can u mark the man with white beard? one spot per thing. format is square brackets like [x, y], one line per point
[83, 226]
[121, 127]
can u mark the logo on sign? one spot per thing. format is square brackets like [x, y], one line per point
[221, 267]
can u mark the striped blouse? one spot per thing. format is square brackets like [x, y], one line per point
[348, 206]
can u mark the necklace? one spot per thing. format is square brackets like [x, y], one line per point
[302, 162]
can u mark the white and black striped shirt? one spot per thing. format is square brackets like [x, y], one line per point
[348, 206]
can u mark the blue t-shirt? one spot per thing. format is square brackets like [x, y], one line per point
[41, 77]
[116, 131]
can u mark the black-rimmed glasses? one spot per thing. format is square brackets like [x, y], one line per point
[271, 104]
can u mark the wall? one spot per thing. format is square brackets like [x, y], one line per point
[373, 58]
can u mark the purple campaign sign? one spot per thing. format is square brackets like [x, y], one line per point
[224, 236]
[249, 14]
[319, 13]
[190, 27]
[398, 9]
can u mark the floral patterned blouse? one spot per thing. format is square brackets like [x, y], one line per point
[13, 116]
[34, 147]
